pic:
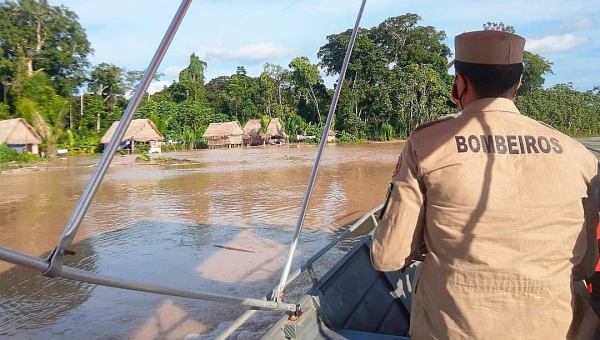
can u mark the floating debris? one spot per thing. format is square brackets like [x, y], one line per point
[234, 249]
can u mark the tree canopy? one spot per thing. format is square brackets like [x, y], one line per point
[397, 79]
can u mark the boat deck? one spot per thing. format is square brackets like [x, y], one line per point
[352, 301]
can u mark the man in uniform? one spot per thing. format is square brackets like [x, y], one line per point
[503, 205]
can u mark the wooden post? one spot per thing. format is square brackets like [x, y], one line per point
[81, 112]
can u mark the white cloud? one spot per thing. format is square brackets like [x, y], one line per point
[572, 24]
[157, 86]
[555, 43]
[581, 22]
[173, 71]
[248, 53]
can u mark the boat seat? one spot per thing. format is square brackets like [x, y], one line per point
[355, 297]
[357, 335]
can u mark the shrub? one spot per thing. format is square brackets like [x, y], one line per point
[9, 155]
[142, 148]
[144, 157]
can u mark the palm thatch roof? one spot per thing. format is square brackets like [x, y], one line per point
[253, 128]
[140, 130]
[222, 130]
[18, 132]
[275, 129]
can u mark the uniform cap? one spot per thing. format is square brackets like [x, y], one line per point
[489, 47]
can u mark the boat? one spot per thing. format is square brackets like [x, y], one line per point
[351, 301]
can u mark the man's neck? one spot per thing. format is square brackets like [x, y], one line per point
[466, 101]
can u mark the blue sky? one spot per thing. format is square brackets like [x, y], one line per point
[228, 33]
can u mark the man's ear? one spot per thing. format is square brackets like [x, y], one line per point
[461, 83]
[520, 82]
[458, 88]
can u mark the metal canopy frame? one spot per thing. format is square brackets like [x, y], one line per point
[53, 266]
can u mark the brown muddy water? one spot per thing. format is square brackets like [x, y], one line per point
[167, 224]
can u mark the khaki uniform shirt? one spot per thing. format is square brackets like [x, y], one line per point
[506, 208]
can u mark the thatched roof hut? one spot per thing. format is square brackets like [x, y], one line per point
[140, 130]
[18, 132]
[253, 128]
[221, 134]
[253, 131]
[255, 134]
[275, 129]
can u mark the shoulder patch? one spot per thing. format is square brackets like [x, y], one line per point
[546, 124]
[433, 122]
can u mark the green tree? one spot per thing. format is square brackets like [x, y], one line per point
[43, 109]
[191, 80]
[281, 83]
[396, 79]
[242, 92]
[535, 68]
[108, 81]
[267, 95]
[217, 96]
[4, 111]
[132, 79]
[264, 123]
[306, 77]
[498, 26]
[94, 114]
[564, 108]
[420, 92]
[404, 42]
[36, 37]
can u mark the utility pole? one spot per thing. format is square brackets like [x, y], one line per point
[81, 112]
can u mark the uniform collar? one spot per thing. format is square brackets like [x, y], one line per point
[491, 104]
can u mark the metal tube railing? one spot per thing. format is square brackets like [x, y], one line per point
[89, 277]
[290, 256]
[237, 323]
[56, 256]
[593, 149]
[56, 268]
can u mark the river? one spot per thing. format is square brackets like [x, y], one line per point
[167, 224]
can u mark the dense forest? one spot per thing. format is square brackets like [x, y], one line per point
[396, 80]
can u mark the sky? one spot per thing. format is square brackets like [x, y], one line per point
[230, 33]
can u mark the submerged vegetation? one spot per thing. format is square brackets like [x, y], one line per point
[396, 80]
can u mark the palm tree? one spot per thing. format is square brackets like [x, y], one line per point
[264, 127]
[48, 124]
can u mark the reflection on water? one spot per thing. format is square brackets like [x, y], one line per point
[219, 222]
